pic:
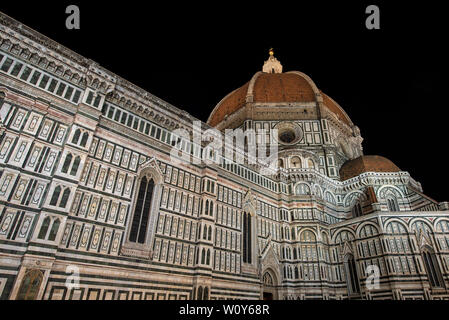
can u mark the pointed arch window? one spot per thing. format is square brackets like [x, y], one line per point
[31, 283]
[200, 293]
[44, 228]
[54, 230]
[247, 238]
[392, 204]
[65, 198]
[203, 256]
[75, 166]
[84, 139]
[76, 136]
[205, 232]
[67, 162]
[432, 268]
[351, 275]
[49, 233]
[142, 211]
[357, 210]
[55, 197]
[211, 209]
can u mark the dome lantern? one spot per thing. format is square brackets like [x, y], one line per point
[272, 65]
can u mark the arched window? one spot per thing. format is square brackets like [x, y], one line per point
[357, 210]
[44, 228]
[296, 273]
[55, 197]
[211, 209]
[84, 139]
[54, 230]
[200, 293]
[206, 293]
[205, 232]
[203, 256]
[302, 189]
[432, 267]
[392, 204]
[65, 198]
[296, 162]
[246, 237]
[142, 211]
[76, 136]
[206, 211]
[293, 234]
[29, 289]
[75, 166]
[208, 257]
[311, 164]
[67, 162]
[209, 236]
[351, 275]
[329, 197]
[197, 255]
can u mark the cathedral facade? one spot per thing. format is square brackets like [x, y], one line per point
[93, 207]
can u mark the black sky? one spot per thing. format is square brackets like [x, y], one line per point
[392, 82]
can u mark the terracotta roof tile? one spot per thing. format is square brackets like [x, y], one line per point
[287, 87]
[229, 105]
[355, 167]
[328, 102]
[282, 87]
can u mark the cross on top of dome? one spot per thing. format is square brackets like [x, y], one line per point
[272, 65]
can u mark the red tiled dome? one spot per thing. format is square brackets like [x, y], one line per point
[289, 87]
[355, 167]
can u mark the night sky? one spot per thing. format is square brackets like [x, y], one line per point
[392, 82]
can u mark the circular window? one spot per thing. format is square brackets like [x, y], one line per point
[288, 133]
[287, 136]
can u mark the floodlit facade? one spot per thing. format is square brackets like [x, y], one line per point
[93, 205]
